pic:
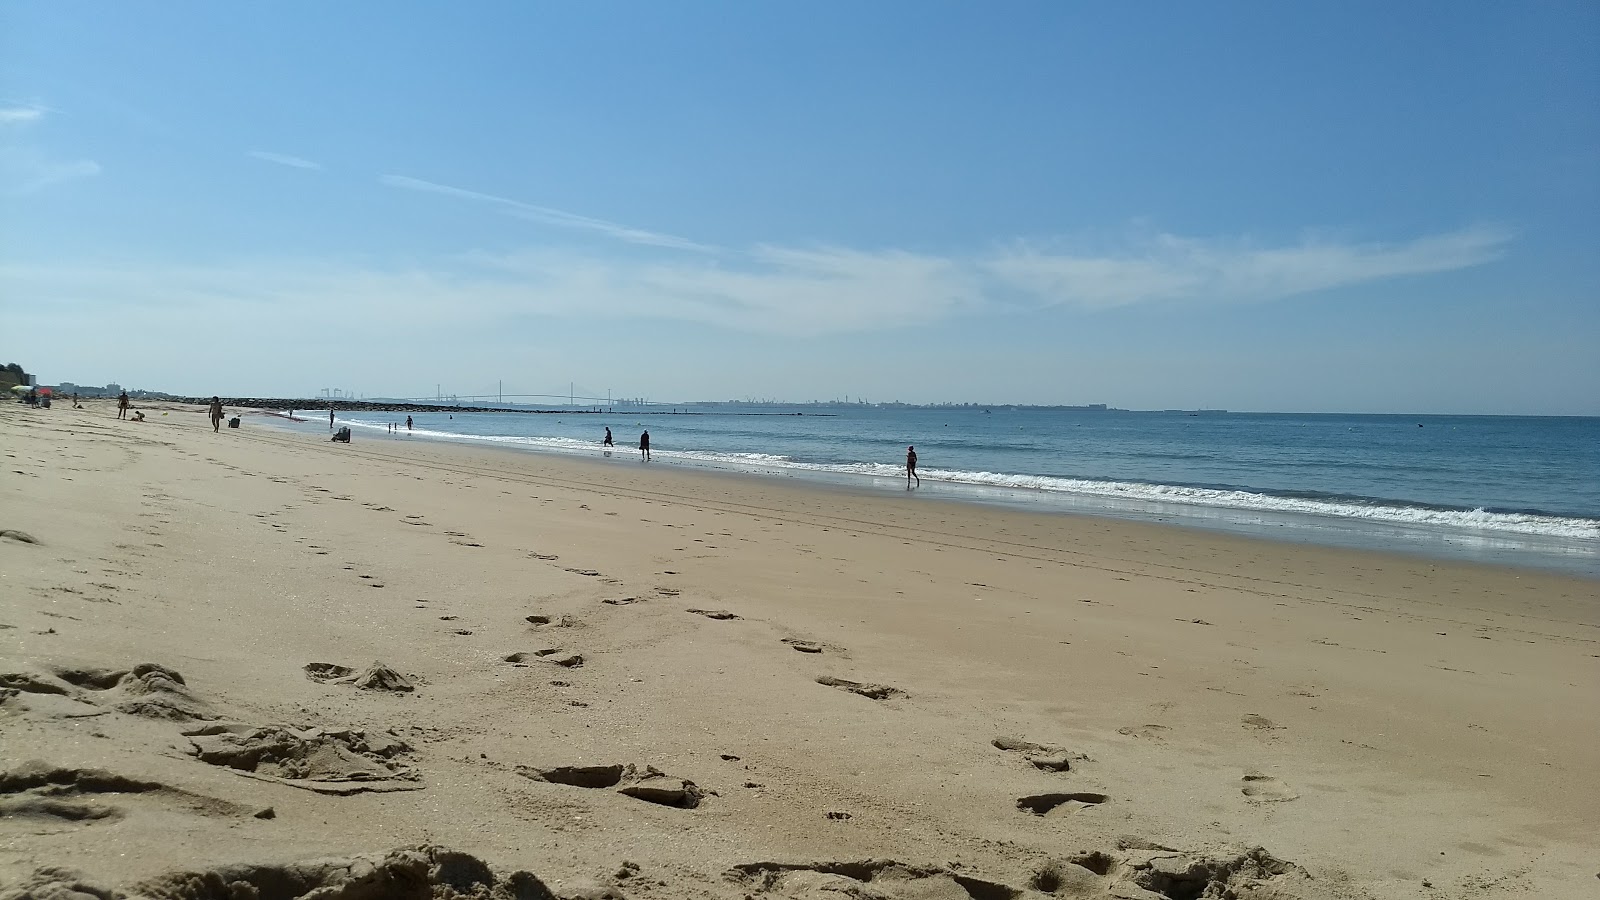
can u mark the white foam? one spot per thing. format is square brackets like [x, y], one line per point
[1135, 493]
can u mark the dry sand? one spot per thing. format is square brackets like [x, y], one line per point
[741, 688]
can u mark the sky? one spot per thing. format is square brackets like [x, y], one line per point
[1322, 206]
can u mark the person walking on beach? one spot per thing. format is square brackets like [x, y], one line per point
[607, 441]
[122, 405]
[408, 423]
[911, 468]
[644, 446]
[216, 413]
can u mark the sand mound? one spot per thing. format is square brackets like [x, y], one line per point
[148, 689]
[1042, 756]
[376, 677]
[379, 677]
[1155, 874]
[420, 873]
[326, 760]
[1161, 873]
[872, 879]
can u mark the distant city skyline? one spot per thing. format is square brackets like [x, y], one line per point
[1349, 207]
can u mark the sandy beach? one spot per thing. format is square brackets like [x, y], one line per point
[226, 654]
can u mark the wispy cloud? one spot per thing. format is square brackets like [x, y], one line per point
[1169, 268]
[768, 289]
[284, 160]
[549, 216]
[12, 114]
[24, 170]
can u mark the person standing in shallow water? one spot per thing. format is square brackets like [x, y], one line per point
[216, 413]
[330, 420]
[911, 468]
[644, 446]
[607, 441]
[408, 423]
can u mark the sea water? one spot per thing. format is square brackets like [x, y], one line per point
[1502, 489]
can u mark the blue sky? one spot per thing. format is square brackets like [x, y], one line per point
[1312, 207]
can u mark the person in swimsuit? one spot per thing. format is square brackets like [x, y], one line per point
[911, 468]
[216, 413]
[644, 446]
[607, 441]
[122, 405]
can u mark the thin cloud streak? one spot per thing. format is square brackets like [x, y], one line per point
[802, 292]
[549, 216]
[284, 160]
[1170, 268]
[20, 115]
[25, 170]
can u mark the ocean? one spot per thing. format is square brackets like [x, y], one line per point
[1500, 489]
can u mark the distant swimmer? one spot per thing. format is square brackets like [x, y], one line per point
[122, 405]
[644, 446]
[216, 414]
[408, 423]
[911, 468]
[607, 441]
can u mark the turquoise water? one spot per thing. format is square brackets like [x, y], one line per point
[1510, 490]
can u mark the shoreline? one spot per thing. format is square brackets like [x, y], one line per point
[1374, 720]
[1420, 541]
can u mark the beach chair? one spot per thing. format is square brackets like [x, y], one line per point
[342, 435]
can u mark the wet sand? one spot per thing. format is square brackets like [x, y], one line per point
[738, 687]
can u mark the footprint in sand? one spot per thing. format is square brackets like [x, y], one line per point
[1259, 723]
[1266, 789]
[591, 573]
[1045, 804]
[870, 691]
[649, 784]
[541, 621]
[623, 601]
[804, 645]
[719, 614]
[1156, 733]
[40, 791]
[554, 655]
